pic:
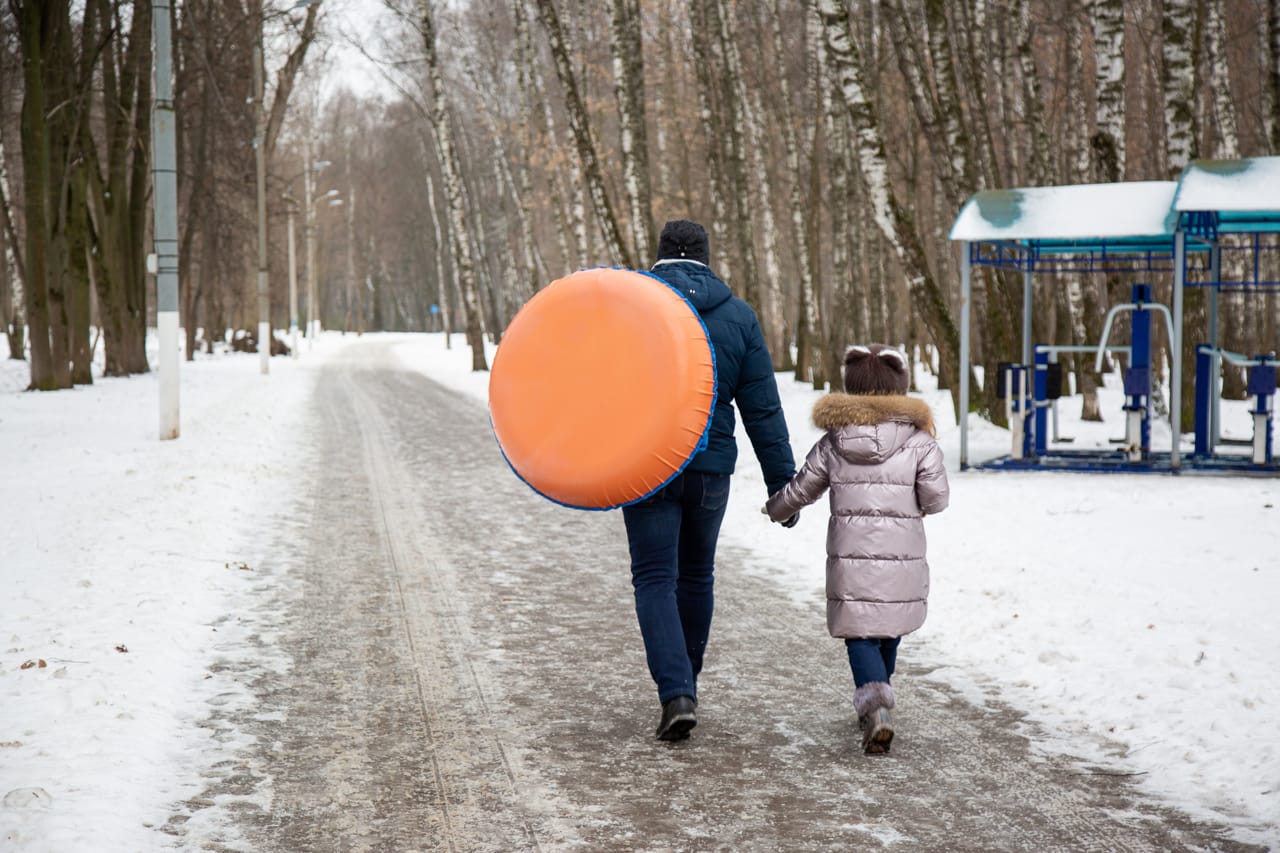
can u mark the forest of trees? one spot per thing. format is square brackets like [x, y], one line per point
[828, 145]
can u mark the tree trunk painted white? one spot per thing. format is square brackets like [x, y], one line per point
[459, 230]
[1108, 142]
[579, 124]
[625, 45]
[894, 222]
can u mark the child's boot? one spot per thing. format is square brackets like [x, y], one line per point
[872, 701]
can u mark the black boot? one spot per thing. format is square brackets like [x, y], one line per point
[678, 717]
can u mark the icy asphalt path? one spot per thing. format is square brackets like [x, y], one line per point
[467, 675]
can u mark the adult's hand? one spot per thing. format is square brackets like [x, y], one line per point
[791, 522]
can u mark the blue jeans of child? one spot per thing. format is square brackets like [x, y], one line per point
[672, 536]
[872, 659]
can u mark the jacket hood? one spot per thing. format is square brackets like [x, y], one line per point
[695, 281]
[870, 429]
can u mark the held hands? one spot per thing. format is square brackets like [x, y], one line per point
[789, 522]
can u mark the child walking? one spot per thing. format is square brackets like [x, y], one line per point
[883, 466]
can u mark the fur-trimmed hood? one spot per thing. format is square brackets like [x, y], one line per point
[869, 429]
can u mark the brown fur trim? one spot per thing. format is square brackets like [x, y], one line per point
[837, 410]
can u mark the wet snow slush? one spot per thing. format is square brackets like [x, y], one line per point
[466, 674]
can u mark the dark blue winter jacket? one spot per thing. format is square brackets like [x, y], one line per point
[744, 374]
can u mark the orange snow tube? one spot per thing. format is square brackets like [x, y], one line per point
[602, 389]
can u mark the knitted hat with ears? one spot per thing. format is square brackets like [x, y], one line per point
[875, 369]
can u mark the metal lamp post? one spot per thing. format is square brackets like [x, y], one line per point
[290, 208]
[313, 300]
[163, 130]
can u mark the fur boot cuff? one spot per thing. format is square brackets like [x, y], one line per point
[872, 696]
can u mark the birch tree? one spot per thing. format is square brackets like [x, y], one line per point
[1179, 52]
[1107, 142]
[628, 87]
[898, 228]
[460, 234]
[580, 125]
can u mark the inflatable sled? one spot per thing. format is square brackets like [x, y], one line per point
[602, 389]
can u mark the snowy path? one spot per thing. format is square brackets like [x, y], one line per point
[468, 675]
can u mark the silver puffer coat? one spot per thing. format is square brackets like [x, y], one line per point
[884, 469]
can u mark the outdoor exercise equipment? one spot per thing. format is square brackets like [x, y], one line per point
[1177, 231]
[1260, 386]
[1137, 375]
[602, 388]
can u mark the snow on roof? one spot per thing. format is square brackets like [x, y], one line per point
[1142, 209]
[1252, 184]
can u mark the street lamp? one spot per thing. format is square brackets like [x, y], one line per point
[291, 205]
[313, 309]
[260, 150]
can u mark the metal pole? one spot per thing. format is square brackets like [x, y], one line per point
[309, 232]
[165, 179]
[1175, 393]
[1215, 360]
[1026, 315]
[964, 355]
[260, 150]
[293, 288]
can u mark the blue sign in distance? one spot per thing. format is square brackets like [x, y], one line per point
[435, 309]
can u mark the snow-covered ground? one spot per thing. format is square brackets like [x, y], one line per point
[1131, 617]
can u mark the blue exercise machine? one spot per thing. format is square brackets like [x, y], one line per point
[1261, 388]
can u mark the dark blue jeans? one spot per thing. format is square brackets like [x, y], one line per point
[672, 536]
[872, 659]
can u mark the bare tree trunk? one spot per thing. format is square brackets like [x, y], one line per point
[35, 174]
[628, 86]
[734, 94]
[14, 307]
[774, 317]
[1181, 81]
[807, 316]
[444, 285]
[117, 195]
[537, 104]
[1224, 111]
[1181, 78]
[460, 232]
[588, 162]
[889, 214]
[1107, 18]
[1272, 72]
[782, 356]
[713, 134]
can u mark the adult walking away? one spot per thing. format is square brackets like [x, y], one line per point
[672, 534]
